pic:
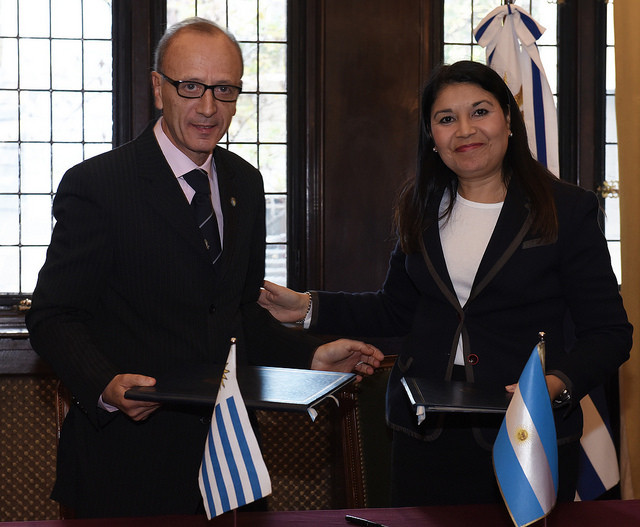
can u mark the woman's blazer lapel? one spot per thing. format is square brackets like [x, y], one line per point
[436, 264]
[511, 228]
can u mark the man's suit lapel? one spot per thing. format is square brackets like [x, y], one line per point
[230, 197]
[162, 191]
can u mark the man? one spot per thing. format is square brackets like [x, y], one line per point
[132, 289]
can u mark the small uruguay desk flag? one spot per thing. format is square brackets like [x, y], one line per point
[233, 472]
[509, 35]
[525, 454]
[598, 467]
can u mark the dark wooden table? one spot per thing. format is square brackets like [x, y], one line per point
[582, 514]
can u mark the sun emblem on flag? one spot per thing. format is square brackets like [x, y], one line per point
[522, 435]
[224, 374]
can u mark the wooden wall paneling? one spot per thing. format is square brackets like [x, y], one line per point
[137, 27]
[581, 99]
[364, 72]
[304, 126]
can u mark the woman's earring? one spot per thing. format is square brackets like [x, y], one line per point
[510, 134]
[435, 149]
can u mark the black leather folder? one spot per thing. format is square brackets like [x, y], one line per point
[437, 395]
[262, 387]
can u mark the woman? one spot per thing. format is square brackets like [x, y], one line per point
[492, 250]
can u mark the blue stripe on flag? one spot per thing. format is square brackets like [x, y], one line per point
[231, 461]
[244, 449]
[217, 471]
[538, 112]
[530, 25]
[525, 460]
[589, 484]
[514, 485]
[232, 472]
[481, 29]
[207, 486]
[538, 406]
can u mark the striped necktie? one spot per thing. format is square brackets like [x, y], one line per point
[203, 211]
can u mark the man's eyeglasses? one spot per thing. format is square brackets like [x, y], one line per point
[195, 90]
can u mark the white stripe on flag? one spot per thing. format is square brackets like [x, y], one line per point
[233, 472]
[248, 482]
[230, 455]
[598, 444]
[530, 452]
[215, 487]
[525, 455]
[509, 35]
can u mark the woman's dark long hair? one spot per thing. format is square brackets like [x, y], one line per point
[416, 208]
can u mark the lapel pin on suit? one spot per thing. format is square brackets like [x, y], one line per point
[233, 201]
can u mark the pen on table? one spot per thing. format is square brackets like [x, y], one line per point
[362, 522]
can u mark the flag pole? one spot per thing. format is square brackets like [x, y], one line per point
[541, 350]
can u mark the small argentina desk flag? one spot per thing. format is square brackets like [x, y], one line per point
[525, 454]
[233, 472]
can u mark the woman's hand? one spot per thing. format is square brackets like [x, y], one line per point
[555, 385]
[283, 303]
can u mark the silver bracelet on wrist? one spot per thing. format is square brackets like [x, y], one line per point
[301, 321]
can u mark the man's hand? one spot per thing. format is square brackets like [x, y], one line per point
[284, 304]
[113, 394]
[347, 356]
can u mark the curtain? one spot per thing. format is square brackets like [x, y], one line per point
[627, 43]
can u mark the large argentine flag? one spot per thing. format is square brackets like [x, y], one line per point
[525, 454]
[232, 472]
[509, 35]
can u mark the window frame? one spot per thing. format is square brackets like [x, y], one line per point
[136, 30]
[582, 41]
[581, 103]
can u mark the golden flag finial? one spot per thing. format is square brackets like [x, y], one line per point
[541, 349]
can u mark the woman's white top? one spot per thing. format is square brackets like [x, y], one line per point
[464, 235]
